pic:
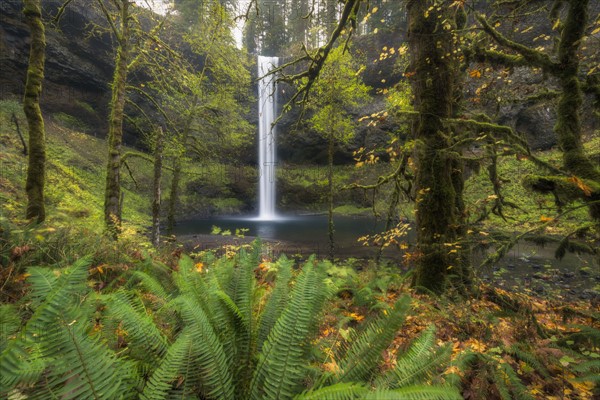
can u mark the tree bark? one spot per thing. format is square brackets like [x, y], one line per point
[440, 218]
[36, 169]
[568, 124]
[174, 194]
[15, 120]
[158, 159]
[112, 207]
[330, 226]
[177, 168]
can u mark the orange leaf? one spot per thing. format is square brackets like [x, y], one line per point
[475, 73]
[581, 185]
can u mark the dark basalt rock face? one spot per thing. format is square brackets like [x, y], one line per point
[78, 67]
[535, 121]
[537, 124]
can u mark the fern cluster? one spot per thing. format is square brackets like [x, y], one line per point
[203, 331]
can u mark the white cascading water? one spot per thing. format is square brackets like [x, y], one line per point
[267, 103]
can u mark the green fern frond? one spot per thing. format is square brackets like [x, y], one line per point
[338, 391]
[518, 351]
[177, 368]
[588, 371]
[586, 335]
[363, 355]
[189, 281]
[202, 288]
[222, 269]
[416, 393]
[141, 330]
[419, 363]
[233, 309]
[277, 300]
[22, 365]
[281, 365]
[10, 322]
[70, 284]
[20, 361]
[42, 281]
[241, 291]
[505, 378]
[151, 284]
[212, 359]
[463, 362]
[81, 367]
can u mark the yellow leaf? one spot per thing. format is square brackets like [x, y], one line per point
[355, 316]
[21, 278]
[199, 266]
[557, 24]
[453, 370]
[543, 218]
[597, 30]
[331, 367]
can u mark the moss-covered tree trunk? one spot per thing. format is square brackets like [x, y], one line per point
[156, 186]
[112, 205]
[36, 169]
[568, 124]
[330, 225]
[440, 218]
[177, 170]
[174, 193]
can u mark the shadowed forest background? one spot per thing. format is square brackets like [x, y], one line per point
[436, 188]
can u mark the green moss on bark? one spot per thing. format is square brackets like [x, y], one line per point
[440, 214]
[112, 200]
[36, 170]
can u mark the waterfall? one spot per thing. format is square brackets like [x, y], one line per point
[267, 104]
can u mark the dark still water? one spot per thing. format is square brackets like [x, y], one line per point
[308, 232]
[526, 266]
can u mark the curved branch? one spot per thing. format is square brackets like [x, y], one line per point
[532, 56]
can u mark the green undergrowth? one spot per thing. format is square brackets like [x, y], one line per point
[247, 326]
[530, 208]
[238, 327]
[75, 176]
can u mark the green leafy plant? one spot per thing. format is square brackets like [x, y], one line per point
[209, 329]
